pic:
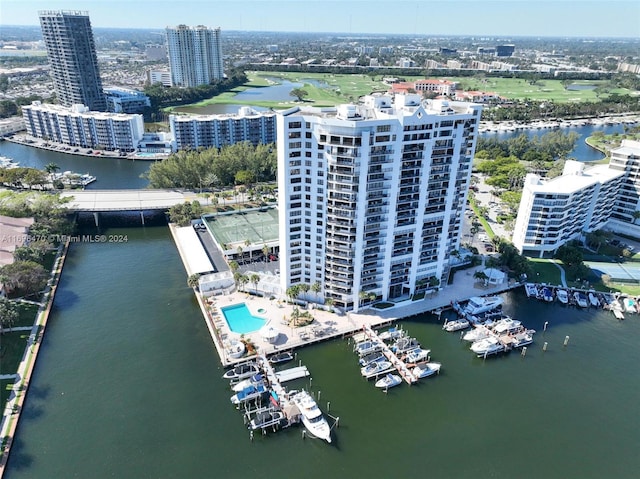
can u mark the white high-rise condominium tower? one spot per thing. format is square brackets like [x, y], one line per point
[371, 196]
[195, 55]
[72, 57]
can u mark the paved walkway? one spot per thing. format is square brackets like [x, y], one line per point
[563, 276]
[18, 328]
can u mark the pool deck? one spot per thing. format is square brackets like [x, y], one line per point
[328, 325]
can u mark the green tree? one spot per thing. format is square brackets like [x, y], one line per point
[255, 279]
[8, 313]
[23, 278]
[299, 94]
[193, 281]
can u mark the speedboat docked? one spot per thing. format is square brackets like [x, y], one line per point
[367, 347]
[371, 358]
[531, 290]
[562, 296]
[265, 418]
[629, 305]
[593, 299]
[456, 325]
[242, 371]
[251, 392]
[375, 368]
[425, 370]
[416, 355]
[391, 334]
[476, 334]
[281, 357]
[311, 416]
[245, 383]
[487, 346]
[524, 338]
[403, 345]
[547, 294]
[507, 326]
[8, 163]
[389, 381]
[581, 299]
[478, 305]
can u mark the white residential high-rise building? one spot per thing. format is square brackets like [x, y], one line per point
[207, 131]
[72, 56]
[626, 158]
[554, 212]
[195, 55]
[371, 196]
[77, 126]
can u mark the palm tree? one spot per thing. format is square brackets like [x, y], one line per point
[247, 243]
[480, 276]
[51, 167]
[293, 292]
[193, 281]
[363, 295]
[329, 302]
[233, 265]
[316, 288]
[255, 279]
[303, 288]
[239, 249]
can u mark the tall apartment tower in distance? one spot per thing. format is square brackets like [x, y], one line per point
[195, 55]
[72, 57]
[372, 196]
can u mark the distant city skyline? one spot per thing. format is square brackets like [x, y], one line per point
[504, 18]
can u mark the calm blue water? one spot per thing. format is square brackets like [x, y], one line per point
[240, 320]
[581, 152]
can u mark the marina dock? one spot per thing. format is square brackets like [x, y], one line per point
[396, 363]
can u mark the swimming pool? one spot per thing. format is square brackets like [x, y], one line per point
[240, 320]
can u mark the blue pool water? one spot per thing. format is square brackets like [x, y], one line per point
[240, 320]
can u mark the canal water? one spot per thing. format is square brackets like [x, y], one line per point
[128, 385]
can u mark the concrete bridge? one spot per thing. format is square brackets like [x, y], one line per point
[102, 201]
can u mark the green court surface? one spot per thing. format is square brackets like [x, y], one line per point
[257, 226]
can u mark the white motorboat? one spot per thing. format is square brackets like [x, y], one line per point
[416, 355]
[375, 368]
[249, 393]
[478, 305]
[370, 358]
[311, 416]
[8, 163]
[456, 325]
[425, 370]
[523, 338]
[391, 334]
[242, 371]
[487, 346]
[593, 299]
[531, 290]
[403, 345]
[281, 357]
[547, 294]
[476, 334]
[507, 326]
[265, 418]
[389, 381]
[367, 347]
[562, 296]
[581, 299]
[245, 383]
[629, 305]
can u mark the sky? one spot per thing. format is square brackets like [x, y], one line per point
[505, 18]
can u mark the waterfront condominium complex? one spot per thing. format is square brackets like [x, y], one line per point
[207, 131]
[371, 196]
[77, 126]
[581, 200]
[72, 57]
[195, 55]
[554, 212]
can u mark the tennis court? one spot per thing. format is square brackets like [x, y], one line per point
[259, 226]
[625, 272]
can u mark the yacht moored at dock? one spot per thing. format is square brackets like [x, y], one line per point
[312, 416]
[479, 304]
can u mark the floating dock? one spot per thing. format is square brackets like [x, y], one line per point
[396, 363]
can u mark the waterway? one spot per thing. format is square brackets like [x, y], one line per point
[128, 385]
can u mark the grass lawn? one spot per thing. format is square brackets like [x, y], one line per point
[544, 271]
[27, 315]
[5, 390]
[13, 345]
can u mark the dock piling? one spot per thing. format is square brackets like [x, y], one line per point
[524, 351]
[566, 340]
[546, 323]
[544, 346]
[328, 406]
